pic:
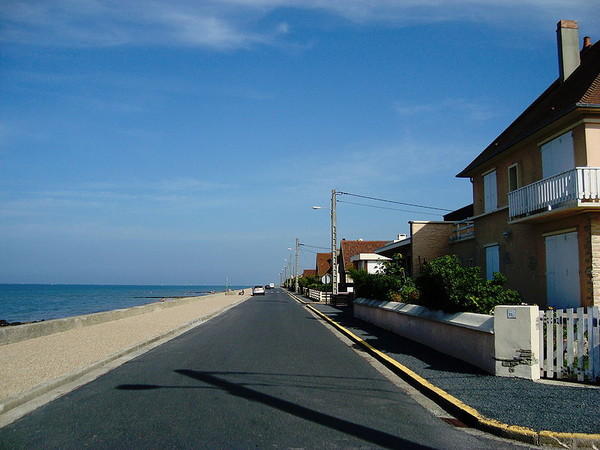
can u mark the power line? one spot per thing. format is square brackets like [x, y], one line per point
[310, 251]
[391, 209]
[393, 201]
[313, 246]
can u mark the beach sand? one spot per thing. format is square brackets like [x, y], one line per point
[33, 366]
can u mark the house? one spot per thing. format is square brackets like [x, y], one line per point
[323, 264]
[536, 188]
[348, 249]
[307, 273]
[369, 262]
[429, 240]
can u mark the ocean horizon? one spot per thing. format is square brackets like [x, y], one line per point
[36, 302]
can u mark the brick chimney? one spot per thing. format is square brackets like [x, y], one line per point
[567, 33]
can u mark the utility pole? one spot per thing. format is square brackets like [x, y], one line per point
[291, 272]
[334, 268]
[296, 271]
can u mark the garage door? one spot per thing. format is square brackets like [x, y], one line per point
[562, 271]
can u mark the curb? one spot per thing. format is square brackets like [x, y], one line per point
[20, 399]
[466, 413]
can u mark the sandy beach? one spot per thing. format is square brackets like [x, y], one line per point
[34, 366]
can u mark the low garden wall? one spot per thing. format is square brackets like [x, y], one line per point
[465, 336]
[503, 344]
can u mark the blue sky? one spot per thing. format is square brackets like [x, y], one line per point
[184, 142]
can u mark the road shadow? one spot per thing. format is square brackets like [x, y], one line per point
[322, 383]
[357, 430]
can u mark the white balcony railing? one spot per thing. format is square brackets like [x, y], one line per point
[581, 184]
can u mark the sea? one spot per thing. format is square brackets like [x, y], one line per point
[34, 302]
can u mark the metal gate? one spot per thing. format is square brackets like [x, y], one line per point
[570, 344]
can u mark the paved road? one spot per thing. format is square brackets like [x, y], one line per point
[266, 374]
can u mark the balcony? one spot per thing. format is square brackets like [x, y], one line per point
[465, 229]
[577, 188]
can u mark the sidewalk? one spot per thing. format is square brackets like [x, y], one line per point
[545, 405]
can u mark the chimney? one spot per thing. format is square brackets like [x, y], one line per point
[567, 33]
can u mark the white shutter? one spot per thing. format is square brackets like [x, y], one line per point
[557, 155]
[492, 261]
[490, 192]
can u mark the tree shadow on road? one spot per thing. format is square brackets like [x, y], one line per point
[374, 436]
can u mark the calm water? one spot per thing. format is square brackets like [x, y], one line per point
[30, 302]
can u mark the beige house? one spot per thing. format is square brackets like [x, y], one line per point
[536, 189]
[427, 241]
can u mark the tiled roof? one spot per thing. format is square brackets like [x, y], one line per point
[323, 263]
[580, 90]
[309, 273]
[351, 248]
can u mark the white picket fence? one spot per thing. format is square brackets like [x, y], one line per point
[324, 297]
[570, 344]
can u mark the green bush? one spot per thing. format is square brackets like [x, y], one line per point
[314, 282]
[381, 286]
[445, 284]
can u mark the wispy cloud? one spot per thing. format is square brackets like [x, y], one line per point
[133, 197]
[216, 25]
[235, 24]
[467, 109]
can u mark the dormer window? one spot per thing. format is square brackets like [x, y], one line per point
[490, 192]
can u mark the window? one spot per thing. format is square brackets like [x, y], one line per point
[492, 261]
[490, 192]
[513, 178]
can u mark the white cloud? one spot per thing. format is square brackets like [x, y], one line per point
[233, 24]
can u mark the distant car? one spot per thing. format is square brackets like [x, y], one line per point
[258, 290]
[271, 286]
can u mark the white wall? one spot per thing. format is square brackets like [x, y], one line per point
[511, 349]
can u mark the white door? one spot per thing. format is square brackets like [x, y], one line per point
[562, 271]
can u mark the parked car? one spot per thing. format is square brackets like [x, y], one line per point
[258, 290]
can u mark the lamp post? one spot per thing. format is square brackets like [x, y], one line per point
[334, 268]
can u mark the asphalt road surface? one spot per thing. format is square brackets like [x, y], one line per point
[266, 374]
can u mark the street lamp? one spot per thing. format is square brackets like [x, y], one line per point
[334, 268]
